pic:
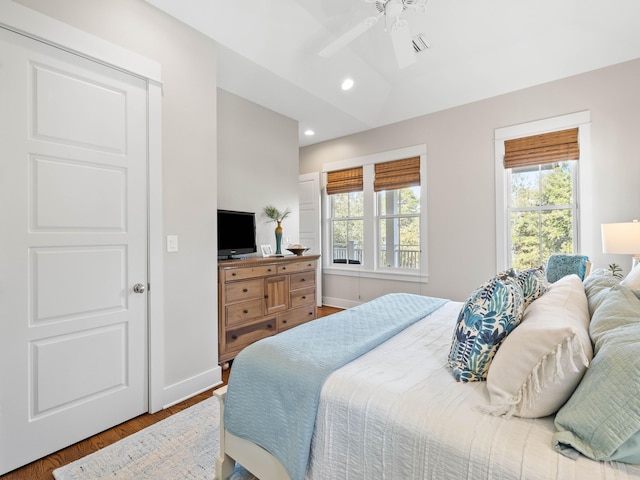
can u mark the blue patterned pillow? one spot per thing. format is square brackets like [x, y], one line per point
[533, 282]
[562, 264]
[491, 312]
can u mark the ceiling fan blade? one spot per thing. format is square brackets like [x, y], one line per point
[402, 43]
[349, 36]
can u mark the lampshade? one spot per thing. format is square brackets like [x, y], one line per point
[622, 238]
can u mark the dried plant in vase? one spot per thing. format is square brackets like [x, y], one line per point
[277, 216]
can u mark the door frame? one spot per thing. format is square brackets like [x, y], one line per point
[24, 21]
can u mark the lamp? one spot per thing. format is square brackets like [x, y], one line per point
[622, 238]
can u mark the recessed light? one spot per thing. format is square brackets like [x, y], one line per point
[347, 84]
[309, 132]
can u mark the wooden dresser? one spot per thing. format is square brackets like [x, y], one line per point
[259, 297]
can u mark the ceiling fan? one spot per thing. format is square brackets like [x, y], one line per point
[392, 10]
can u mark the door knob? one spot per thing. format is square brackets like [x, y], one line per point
[139, 288]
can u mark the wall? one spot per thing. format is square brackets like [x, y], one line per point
[188, 61]
[258, 164]
[460, 174]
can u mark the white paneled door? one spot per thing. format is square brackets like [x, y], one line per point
[73, 216]
[310, 220]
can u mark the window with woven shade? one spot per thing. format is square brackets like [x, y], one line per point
[346, 204]
[397, 187]
[542, 186]
[372, 214]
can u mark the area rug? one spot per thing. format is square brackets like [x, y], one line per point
[183, 446]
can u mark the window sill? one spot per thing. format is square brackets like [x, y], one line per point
[398, 276]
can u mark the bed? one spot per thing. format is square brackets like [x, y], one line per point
[396, 411]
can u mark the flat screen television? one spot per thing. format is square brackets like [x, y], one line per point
[236, 233]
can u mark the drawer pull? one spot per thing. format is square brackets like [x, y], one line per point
[310, 313]
[268, 270]
[233, 274]
[303, 279]
[269, 325]
[246, 311]
[266, 296]
[245, 290]
[284, 268]
[234, 337]
[284, 321]
[304, 297]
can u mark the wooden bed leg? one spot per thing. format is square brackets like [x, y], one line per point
[224, 463]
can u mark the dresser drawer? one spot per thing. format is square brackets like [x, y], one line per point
[297, 266]
[239, 338]
[296, 317]
[302, 280]
[246, 290]
[243, 312]
[303, 296]
[249, 272]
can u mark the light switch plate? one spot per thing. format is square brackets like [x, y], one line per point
[172, 243]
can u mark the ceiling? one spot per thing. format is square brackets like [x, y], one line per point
[478, 49]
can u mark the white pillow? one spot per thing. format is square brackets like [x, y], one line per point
[632, 280]
[541, 362]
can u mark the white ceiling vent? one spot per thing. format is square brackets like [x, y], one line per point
[420, 43]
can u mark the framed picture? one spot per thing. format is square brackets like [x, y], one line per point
[266, 250]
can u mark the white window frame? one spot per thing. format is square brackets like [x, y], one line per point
[391, 217]
[582, 217]
[369, 267]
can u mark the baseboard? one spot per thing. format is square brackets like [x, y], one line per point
[339, 302]
[185, 389]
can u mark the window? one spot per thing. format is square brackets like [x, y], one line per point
[542, 212]
[537, 182]
[373, 216]
[397, 185]
[347, 217]
[344, 188]
[399, 228]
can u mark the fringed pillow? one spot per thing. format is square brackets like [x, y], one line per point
[542, 361]
[491, 312]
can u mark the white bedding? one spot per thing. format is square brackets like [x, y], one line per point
[396, 413]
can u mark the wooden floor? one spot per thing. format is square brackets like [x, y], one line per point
[43, 469]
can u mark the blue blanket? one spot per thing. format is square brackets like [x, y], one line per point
[274, 387]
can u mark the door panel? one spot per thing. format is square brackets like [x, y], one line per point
[73, 207]
[86, 196]
[68, 282]
[276, 294]
[77, 123]
[61, 381]
[310, 234]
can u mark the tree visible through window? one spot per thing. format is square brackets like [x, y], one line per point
[399, 228]
[542, 212]
[347, 212]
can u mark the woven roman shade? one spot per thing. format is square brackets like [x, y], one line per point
[397, 174]
[546, 148]
[344, 181]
